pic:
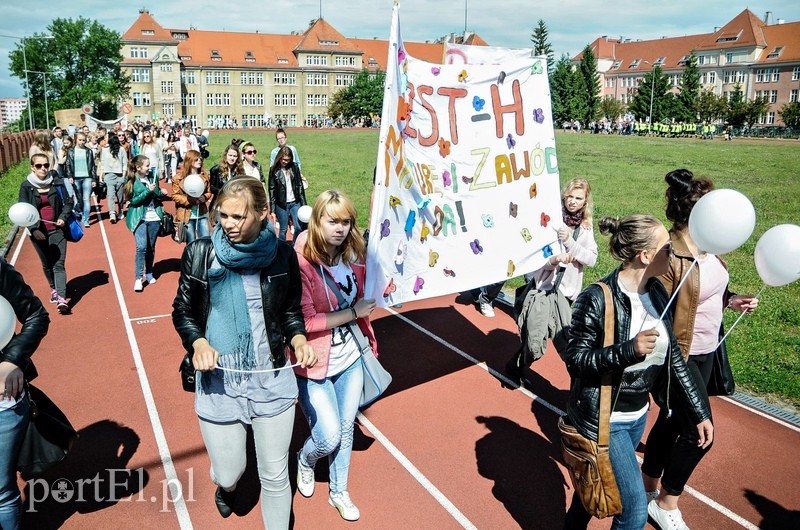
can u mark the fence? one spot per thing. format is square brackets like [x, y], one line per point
[14, 148]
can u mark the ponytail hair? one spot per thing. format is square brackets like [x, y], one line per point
[683, 191]
[136, 162]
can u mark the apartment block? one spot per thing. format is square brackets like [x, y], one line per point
[11, 110]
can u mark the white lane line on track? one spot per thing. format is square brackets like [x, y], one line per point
[416, 473]
[135, 319]
[23, 232]
[795, 428]
[176, 491]
[693, 492]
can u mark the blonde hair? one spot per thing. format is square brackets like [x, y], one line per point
[250, 189]
[339, 206]
[629, 235]
[581, 184]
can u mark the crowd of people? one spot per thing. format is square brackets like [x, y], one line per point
[269, 322]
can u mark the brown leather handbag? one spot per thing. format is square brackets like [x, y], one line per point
[588, 461]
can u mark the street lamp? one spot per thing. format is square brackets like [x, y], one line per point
[652, 90]
[25, 67]
[46, 110]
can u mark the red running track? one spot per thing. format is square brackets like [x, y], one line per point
[449, 446]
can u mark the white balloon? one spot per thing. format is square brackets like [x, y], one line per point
[778, 255]
[204, 133]
[23, 214]
[194, 185]
[721, 221]
[8, 322]
[304, 213]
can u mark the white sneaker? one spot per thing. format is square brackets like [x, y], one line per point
[341, 501]
[150, 279]
[665, 519]
[305, 478]
[137, 285]
[486, 309]
[652, 495]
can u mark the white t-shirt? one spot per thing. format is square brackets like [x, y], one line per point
[287, 178]
[344, 350]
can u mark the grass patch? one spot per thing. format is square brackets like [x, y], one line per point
[627, 176]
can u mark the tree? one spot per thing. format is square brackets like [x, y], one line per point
[710, 107]
[689, 91]
[736, 107]
[541, 46]
[755, 109]
[790, 114]
[363, 98]
[82, 60]
[567, 92]
[656, 83]
[591, 82]
[611, 109]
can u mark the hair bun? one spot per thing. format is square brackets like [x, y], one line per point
[608, 225]
[680, 181]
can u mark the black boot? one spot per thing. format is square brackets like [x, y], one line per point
[224, 500]
[515, 368]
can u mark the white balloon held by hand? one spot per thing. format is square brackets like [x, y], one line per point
[23, 214]
[721, 221]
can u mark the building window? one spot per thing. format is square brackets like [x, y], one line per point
[659, 61]
[189, 99]
[775, 75]
[329, 43]
[218, 100]
[770, 118]
[793, 96]
[252, 78]
[316, 60]
[775, 53]
[188, 78]
[287, 120]
[342, 60]
[137, 99]
[167, 88]
[252, 100]
[148, 32]
[773, 96]
[345, 79]
[146, 99]
[285, 100]
[138, 52]
[795, 73]
[168, 109]
[712, 77]
[728, 58]
[758, 94]
[166, 67]
[635, 63]
[317, 100]
[609, 82]
[216, 77]
[759, 75]
[283, 78]
[317, 79]
[140, 75]
[616, 65]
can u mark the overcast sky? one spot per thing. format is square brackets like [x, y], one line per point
[571, 23]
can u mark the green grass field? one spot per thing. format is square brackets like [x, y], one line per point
[627, 175]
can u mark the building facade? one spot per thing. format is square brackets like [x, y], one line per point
[213, 76]
[11, 110]
[763, 58]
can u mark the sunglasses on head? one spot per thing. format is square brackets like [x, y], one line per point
[250, 152]
[46, 165]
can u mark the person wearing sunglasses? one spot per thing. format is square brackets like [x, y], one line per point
[45, 190]
[644, 359]
[286, 192]
[251, 167]
[672, 452]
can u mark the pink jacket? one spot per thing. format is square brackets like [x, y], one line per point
[315, 304]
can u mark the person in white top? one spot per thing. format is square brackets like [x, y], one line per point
[187, 142]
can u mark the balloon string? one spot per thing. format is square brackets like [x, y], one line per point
[738, 319]
[234, 370]
[674, 294]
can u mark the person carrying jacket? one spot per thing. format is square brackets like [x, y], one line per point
[644, 358]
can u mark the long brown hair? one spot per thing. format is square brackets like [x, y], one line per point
[135, 163]
[223, 162]
[188, 163]
[282, 152]
[338, 206]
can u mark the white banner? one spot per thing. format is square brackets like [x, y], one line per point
[467, 186]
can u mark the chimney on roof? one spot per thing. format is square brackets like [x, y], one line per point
[780, 21]
[767, 17]
[716, 29]
[143, 10]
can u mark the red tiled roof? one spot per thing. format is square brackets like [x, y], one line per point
[786, 36]
[746, 29]
[320, 32]
[232, 48]
[146, 23]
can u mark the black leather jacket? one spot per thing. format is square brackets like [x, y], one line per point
[70, 164]
[30, 311]
[281, 291]
[215, 179]
[62, 204]
[587, 360]
[277, 187]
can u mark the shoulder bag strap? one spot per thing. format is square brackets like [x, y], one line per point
[604, 425]
[560, 273]
[330, 282]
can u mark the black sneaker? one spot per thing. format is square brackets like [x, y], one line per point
[224, 501]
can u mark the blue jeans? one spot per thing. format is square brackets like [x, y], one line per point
[146, 235]
[623, 440]
[13, 424]
[331, 405]
[197, 228]
[84, 185]
[283, 215]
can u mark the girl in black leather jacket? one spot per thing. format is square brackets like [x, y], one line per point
[644, 357]
[15, 368]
